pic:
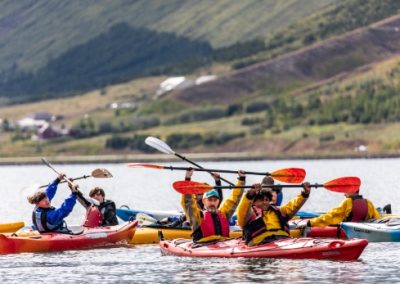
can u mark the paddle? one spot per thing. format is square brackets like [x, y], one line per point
[145, 219]
[342, 185]
[97, 173]
[289, 175]
[58, 173]
[164, 148]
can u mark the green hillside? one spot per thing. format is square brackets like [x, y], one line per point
[324, 85]
[34, 32]
[119, 47]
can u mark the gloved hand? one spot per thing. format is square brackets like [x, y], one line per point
[306, 189]
[189, 173]
[305, 227]
[253, 191]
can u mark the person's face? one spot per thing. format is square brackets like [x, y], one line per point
[262, 204]
[274, 197]
[98, 197]
[211, 203]
[44, 203]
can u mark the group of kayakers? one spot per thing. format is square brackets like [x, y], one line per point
[46, 218]
[258, 214]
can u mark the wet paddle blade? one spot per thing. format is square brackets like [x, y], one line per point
[191, 187]
[289, 175]
[101, 173]
[344, 185]
[141, 165]
[158, 144]
[145, 220]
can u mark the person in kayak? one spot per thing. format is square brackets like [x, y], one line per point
[46, 218]
[181, 221]
[263, 222]
[276, 200]
[212, 223]
[277, 195]
[199, 197]
[99, 211]
[354, 208]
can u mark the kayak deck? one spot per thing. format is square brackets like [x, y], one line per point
[302, 248]
[52, 241]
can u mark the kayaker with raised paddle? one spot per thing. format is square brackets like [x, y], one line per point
[212, 224]
[46, 218]
[99, 211]
[277, 195]
[354, 208]
[181, 221]
[199, 197]
[263, 222]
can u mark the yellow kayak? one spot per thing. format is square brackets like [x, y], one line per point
[11, 227]
[149, 234]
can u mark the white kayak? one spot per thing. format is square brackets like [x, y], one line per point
[380, 230]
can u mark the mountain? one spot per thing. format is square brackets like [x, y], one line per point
[324, 85]
[35, 32]
[52, 48]
[306, 66]
[55, 49]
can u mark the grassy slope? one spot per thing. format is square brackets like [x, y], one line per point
[297, 141]
[43, 30]
[308, 65]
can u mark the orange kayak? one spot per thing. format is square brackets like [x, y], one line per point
[33, 241]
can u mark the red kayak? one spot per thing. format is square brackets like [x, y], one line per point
[90, 238]
[292, 248]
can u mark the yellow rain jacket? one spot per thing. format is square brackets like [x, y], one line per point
[340, 213]
[228, 208]
[273, 225]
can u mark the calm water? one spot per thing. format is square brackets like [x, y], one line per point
[151, 189]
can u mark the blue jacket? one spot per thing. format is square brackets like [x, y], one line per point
[54, 218]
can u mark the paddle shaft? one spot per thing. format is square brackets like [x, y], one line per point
[213, 170]
[47, 163]
[200, 167]
[64, 181]
[269, 186]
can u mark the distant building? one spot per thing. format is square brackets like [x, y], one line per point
[205, 79]
[361, 148]
[173, 83]
[29, 123]
[35, 121]
[125, 105]
[42, 116]
[48, 131]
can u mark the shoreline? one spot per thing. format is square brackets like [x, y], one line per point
[128, 158]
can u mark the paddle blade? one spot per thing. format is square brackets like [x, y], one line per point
[344, 185]
[141, 165]
[191, 187]
[289, 175]
[101, 173]
[145, 219]
[158, 144]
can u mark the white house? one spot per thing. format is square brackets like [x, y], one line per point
[204, 79]
[172, 83]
